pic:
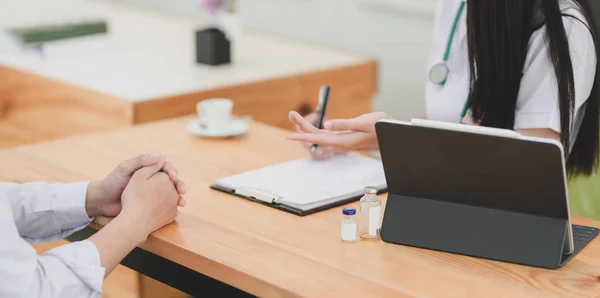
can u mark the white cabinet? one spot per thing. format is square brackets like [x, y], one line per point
[396, 32]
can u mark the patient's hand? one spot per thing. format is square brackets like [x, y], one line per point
[150, 200]
[104, 196]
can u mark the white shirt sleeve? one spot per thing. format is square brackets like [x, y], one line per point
[537, 102]
[71, 270]
[46, 212]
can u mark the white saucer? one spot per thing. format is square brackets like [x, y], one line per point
[236, 127]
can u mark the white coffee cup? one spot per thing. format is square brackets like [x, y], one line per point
[215, 113]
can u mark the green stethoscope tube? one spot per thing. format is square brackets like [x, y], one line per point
[439, 72]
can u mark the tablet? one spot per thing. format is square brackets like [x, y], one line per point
[476, 166]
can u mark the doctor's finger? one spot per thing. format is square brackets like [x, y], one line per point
[325, 152]
[311, 138]
[345, 124]
[344, 141]
[302, 124]
[312, 118]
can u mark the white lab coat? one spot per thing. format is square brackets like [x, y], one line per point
[42, 212]
[537, 102]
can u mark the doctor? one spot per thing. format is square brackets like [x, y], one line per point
[143, 193]
[527, 65]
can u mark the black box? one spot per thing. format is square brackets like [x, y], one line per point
[212, 47]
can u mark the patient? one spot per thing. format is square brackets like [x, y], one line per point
[143, 194]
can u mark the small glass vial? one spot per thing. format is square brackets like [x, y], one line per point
[349, 225]
[370, 214]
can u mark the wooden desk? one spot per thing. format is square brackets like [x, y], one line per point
[144, 70]
[270, 253]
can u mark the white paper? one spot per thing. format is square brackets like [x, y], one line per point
[309, 183]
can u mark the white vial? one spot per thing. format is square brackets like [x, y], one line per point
[370, 214]
[349, 225]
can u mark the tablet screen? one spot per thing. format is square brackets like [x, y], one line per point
[487, 171]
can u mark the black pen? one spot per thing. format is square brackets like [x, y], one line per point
[321, 106]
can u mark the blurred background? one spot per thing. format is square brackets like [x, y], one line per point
[395, 32]
[71, 67]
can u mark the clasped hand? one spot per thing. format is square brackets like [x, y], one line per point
[146, 189]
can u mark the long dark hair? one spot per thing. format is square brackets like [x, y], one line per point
[498, 37]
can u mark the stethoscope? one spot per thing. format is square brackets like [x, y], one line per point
[438, 74]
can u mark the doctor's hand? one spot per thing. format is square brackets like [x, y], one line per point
[346, 134]
[104, 196]
[322, 152]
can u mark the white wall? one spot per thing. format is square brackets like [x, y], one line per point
[396, 32]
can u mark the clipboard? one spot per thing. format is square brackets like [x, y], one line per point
[289, 209]
[343, 194]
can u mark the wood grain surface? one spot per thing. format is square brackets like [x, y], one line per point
[270, 253]
[33, 109]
